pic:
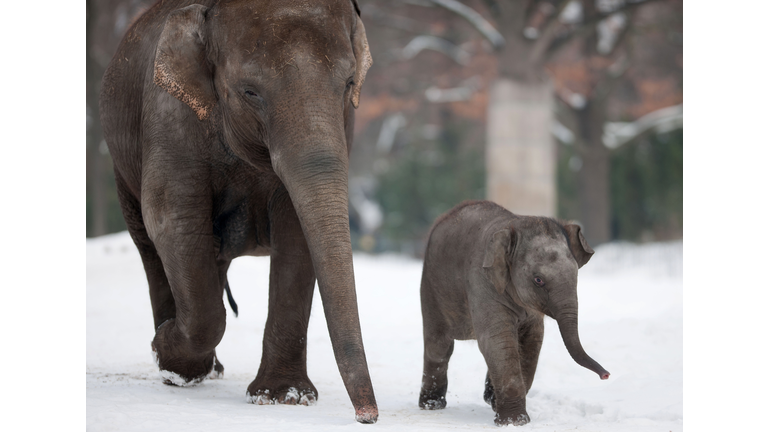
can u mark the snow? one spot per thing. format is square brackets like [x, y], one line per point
[631, 321]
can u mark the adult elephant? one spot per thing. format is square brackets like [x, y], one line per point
[230, 123]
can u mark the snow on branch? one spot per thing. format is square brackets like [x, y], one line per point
[419, 43]
[587, 24]
[616, 134]
[477, 20]
[663, 120]
[457, 94]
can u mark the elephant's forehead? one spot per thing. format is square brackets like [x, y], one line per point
[273, 7]
[283, 31]
[283, 19]
[544, 249]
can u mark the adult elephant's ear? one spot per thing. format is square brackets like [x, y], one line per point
[495, 261]
[181, 67]
[363, 59]
[578, 244]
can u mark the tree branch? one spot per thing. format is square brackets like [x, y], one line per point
[587, 27]
[477, 20]
[422, 42]
[386, 19]
[629, 15]
[553, 24]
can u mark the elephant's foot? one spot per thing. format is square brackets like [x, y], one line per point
[488, 395]
[218, 369]
[432, 396]
[432, 403]
[512, 412]
[266, 391]
[184, 374]
[514, 420]
[178, 369]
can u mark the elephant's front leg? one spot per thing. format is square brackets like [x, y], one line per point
[282, 376]
[185, 345]
[497, 339]
[531, 338]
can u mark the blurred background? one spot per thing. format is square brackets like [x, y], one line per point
[565, 108]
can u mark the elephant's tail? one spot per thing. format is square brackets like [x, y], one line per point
[231, 299]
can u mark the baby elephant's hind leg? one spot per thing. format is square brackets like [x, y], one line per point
[488, 395]
[434, 384]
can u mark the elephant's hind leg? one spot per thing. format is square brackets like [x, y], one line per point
[282, 376]
[218, 368]
[488, 394]
[438, 348]
[163, 305]
[434, 380]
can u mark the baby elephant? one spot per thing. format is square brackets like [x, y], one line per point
[491, 275]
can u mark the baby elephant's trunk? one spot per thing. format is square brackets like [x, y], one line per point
[569, 330]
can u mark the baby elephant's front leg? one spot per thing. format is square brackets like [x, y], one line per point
[501, 352]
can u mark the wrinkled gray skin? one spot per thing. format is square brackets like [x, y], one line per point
[491, 275]
[230, 123]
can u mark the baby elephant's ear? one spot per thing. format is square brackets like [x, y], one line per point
[495, 261]
[181, 67]
[579, 246]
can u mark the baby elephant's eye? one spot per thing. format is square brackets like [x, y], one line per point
[251, 93]
[538, 281]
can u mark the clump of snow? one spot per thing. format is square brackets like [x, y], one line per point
[630, 303]
[292, 395]
[173, 378]
[262, 398]
[433, 404]
[169, 377]
[308, 399]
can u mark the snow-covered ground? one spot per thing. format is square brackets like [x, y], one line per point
[631, 321]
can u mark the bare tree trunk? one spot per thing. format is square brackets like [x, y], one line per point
[593, 177]
[96, 176]
[520, 150]
[521, 156]
[95, 161]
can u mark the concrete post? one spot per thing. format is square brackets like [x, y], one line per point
[520, 153]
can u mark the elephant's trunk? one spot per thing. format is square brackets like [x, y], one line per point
[568, 321]
[316, 180]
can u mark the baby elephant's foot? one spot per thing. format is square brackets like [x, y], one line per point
[299, 392]
[431, 402]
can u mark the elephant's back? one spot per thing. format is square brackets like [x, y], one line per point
[454, 249]
[462, 226]
[453, 262]
[456, 242]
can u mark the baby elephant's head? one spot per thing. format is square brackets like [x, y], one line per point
[536, 261]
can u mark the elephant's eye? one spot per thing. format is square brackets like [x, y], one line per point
[253, 96]
[538, 281]
[350, 83]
